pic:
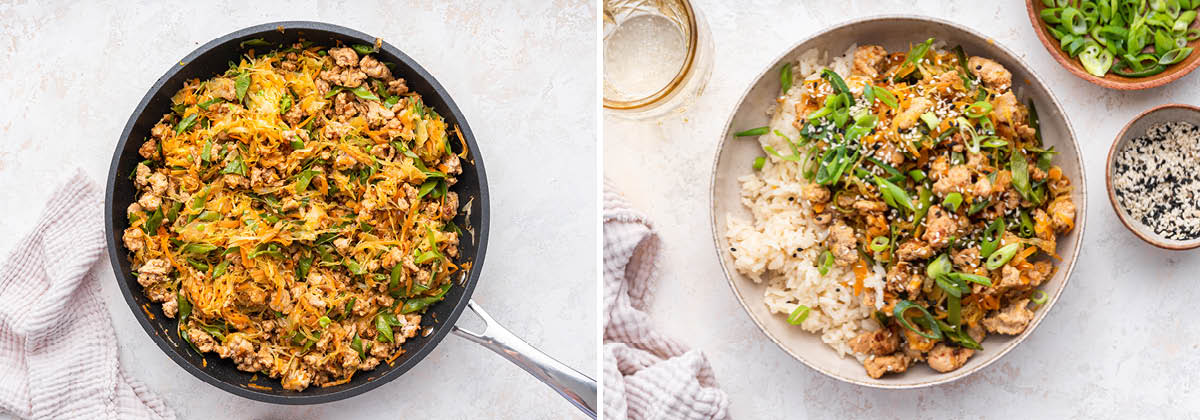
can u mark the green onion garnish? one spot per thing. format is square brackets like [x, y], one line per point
[973, 278]
[798, 315]
[1002, 255]
[991, 238]
[826, 260]
[979, 109]
[880, 243]
[917, 175]
[759, 162]
[1039, 297]
[785, 78]
[954, 310]
[953, 200]
[752, 132]
[939, 267]
[926, 319]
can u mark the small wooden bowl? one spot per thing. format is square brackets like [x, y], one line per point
[1132, 130]
[1111, 80]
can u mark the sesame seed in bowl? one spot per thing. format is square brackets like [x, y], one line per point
[1153, 176]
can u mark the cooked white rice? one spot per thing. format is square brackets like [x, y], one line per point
[782, 242]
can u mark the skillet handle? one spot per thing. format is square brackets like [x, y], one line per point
[576, 387]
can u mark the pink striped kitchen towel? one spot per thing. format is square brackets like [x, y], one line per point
[58, 349]
[646, 374]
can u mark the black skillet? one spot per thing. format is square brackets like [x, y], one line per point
[212, 59]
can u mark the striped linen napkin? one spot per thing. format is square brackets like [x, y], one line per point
[58, 349]
[646, 374]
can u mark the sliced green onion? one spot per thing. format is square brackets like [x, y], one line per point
[826, 262]
[954, 310]
[917, 175]
[752, 132]
[880, 243]
[886, 97]
[785, 78]
[924, 202]
[1002, 255]
[1174, 56]
[798, 315]
[930, 120]
[1095, 60]
[928, 320]
[324, 321]
[952, 287]
[839, 85]
[1052, 15]
[1026, 227]
[953, 200]
[939, 267]
[1074, 20]
[759, 162]
[973, 278]
[979, 109]
[1039, 297]
[994, 142]
[895, 195]
[1020, 174]
[991, 238]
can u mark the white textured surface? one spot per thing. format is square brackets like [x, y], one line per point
[1120, 343]
[73, 73]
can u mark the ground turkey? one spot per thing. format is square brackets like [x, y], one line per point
[1012, 320]
[992, 73]
[842, 244]
[879, 342]
[877, 366]
[944, 358]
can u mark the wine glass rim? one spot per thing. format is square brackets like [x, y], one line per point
[676, 82]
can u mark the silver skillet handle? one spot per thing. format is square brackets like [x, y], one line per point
[576, 387]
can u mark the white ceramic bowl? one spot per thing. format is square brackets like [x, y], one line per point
[734, 155]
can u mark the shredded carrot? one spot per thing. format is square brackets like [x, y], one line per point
[258, 387]
[465, 149]
[818, 207]
[395, 356]
[147, 311]
[166, 249]
[1021, 256]
[245, 258]
[339, 381]
[860, 274]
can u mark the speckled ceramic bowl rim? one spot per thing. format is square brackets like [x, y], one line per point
[1081, 214]
[1122, 215]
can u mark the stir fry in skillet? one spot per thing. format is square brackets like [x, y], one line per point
[294, 213]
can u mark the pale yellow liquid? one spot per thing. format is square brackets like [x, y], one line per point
[641, 56]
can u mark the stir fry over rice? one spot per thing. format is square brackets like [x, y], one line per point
[905, 208]
[294, 213]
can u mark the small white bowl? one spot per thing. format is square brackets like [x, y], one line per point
[895, 33]
[1134, 129]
